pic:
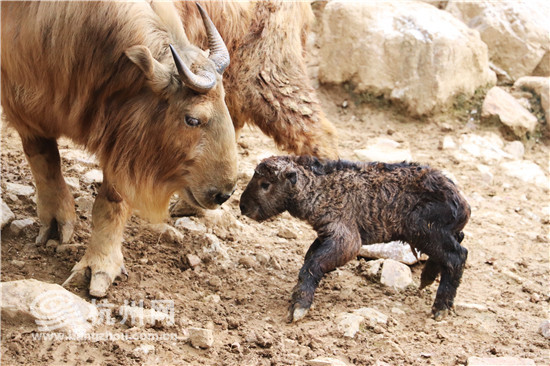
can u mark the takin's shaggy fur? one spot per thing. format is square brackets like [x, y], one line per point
[267, 82]
[353, 203]
[102, 74]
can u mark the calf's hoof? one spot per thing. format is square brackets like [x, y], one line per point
[64, 230]
[441, 314]
[296, 313]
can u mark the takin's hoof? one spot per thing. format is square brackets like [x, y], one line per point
[296, 313]
[441, 314]
[100, 279]
[64, 229]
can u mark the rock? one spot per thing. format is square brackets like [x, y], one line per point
[84, 205]
[19, 190]
[541, 87]
[214, 246]
[384, 150]
[247, 261]
[18, 264]
[190, 225]
[487, 148]
[68, 248]
[193, 260]
[516, 32]
[93, 176]
[19, 226]
[371, 269]
[395, 275]
[526, 171]
[543, 69]
[545, 328]
[410, 52]
[138, 316]
[503, 107]
[515, 149]
[448, 143]
[168, 232]
[349, 324]
[144, 349]
[212, 299]
[79, 156]
[373, 316]
[499, 361]
[470, 306]
[396, 250]
[52, 244]
[201, 338]
[46, 307]
[326, 361]
[287, 233]
[397, 311]
[73, 183]
[263, 258]
[7, 214]
[486, 174]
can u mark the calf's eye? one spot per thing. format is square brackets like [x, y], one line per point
[192, 121]
[264, 186]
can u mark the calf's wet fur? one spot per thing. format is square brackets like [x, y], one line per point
[353, 203]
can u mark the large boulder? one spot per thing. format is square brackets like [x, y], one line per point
[410, 52]
[515, 31]
[540, 86]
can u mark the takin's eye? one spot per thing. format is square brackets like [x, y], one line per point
[265, 186]
[192, 121]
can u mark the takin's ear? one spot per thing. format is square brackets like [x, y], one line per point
[158, 76]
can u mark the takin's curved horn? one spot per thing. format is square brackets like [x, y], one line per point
[218, 51]
[201, 82]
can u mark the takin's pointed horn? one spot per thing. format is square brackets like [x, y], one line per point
[201, 82]
[218, 51]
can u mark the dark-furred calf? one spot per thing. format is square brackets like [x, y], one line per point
[354, 203]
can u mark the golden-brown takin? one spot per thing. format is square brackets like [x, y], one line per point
[122, 80]
[267, 82]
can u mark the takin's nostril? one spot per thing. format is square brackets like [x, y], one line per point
[221, 198]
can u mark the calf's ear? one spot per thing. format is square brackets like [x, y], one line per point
[158, 75]
[291, 176]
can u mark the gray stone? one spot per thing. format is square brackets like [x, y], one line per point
[485, 173]
[476, 148]
[396, 250]
[19, 226]
[527, 171]
[168, 232]
[193, 260]
[373, 316]
[19, 190]
[409, 52]
[371, 269]
[395, 275]
[287, 233]
[73, 183]
[448, 143]
[515, 149]
[545, 328]
[18, 264]
[144, 349]
[201, 338]
[326, 361]
[7, 214]
[349, 324]
[46, 307]
[539, 86]
[93, 176]
[214, 246]
[190, 225]
[499, 361]
[470, 306]
[247, 261]
[503, 107]
[78, 156]
[383, 149]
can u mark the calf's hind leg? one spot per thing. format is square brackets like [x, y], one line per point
[55, 204]
[104, 252]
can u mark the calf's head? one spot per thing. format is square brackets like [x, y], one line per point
[182, 138]
[271, 188]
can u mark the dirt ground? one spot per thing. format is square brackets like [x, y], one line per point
[507, 272]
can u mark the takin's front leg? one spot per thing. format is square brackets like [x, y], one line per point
[104, 255]
[333, 248]
[55, 204]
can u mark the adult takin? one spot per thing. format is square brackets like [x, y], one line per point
[122, 80]
[354, 203]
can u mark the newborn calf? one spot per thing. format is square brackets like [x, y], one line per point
[353, 203]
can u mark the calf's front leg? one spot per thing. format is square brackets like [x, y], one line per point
[333, 248]
[104, 255]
